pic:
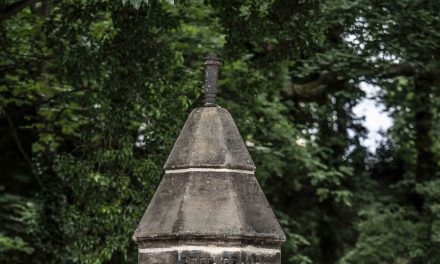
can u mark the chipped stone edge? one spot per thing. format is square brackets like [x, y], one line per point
[209, 170]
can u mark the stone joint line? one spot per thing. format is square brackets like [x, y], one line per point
[209, 170]
[211, 249]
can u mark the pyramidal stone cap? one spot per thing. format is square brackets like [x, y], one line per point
[209, 207]
[209, 139]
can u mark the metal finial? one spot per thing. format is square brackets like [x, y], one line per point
[211, 65]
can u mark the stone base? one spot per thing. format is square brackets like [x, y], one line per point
[209, 255]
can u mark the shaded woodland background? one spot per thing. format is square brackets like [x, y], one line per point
[93, 94]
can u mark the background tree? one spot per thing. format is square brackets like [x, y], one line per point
[93, 94]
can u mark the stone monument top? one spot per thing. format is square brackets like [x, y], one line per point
[209, 207]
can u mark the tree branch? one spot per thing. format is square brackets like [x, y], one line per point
[397, 70]
[306, 90]
[21, 149]
[58, 95]
[407, 70]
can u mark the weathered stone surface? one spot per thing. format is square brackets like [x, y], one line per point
[209, 207]
[213, 255]
[214, 204]
[159, 257]
[211, 139]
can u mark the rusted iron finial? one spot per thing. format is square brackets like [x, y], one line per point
[211, 65]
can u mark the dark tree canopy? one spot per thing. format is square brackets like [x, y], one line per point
[94, 93]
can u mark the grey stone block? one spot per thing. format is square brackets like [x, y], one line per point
[209, 207]
[210, 139]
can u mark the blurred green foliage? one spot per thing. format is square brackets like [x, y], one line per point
[94, 93]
